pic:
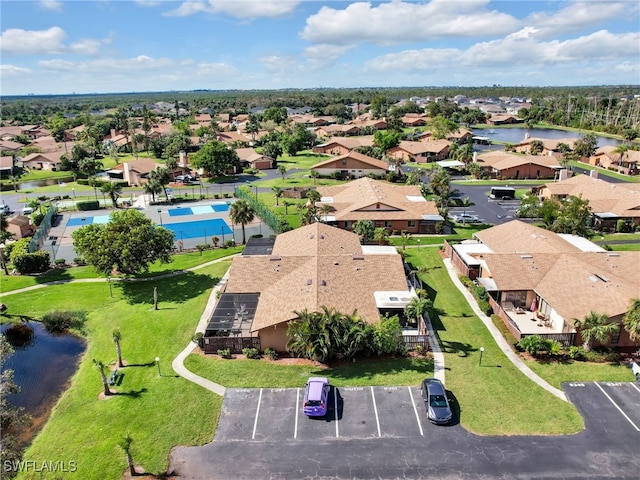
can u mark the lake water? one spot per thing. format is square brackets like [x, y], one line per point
[516, 135]
[42, 365]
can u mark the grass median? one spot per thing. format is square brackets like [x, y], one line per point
[495, 398]
[159, 411]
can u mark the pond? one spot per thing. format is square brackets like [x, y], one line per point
[517, 134]
[42, 365]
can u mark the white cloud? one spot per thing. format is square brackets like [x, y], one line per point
[278, 64]
[244, 9]
[54, 5]
[110, 65]
[516, 51]
[13, 70]
[216, 69]
[147, 3]
[400, 22]
[579, 15]
[324, 54]
[16, 41]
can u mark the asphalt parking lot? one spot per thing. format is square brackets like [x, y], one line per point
[275, 414]
[263, 434]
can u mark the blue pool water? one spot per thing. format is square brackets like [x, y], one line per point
[199, 228]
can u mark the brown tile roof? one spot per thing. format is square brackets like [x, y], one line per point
[351, 142]
[520, 237]
[549, 143]
[621, 199]
[572, 283]
[360, 157]
[501, 160]
[311, 267]
[360, 199]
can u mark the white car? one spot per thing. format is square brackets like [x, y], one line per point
[466, 218]
[27, 211]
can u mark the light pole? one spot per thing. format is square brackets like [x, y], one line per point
[481, 352]
[73, 191]
[256, 192]
[418, 244]
[110, 287]
[4, 263]
[158, 365]
[160, 215]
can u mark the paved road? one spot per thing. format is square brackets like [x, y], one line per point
[251, 445]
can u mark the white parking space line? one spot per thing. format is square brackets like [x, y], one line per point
[335, 409]
[635, 386]
[415, 411]
[616, 405]
[375, 409]
[255, 422]
[295, 428]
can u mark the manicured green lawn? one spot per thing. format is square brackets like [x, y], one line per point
[494, 398]
[625, 247]
[242, 373]
[556, 373]
[159, 412]
[180, 261]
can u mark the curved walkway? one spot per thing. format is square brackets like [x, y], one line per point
[500, 341]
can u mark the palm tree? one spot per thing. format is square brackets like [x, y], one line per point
[466, 203]
[381, 235]
[116, 336]
[631, 320]
[404, 238]
[621, 150]
[536, 147]
[114, 190]
[125, 444]
[152, 187]
[364, 228]
[161, 176]
[278, 193]
[594, 326]
[313, 174]
[242, 213]
[287, 204]
[282, 170]
[314, 196]
[417, 307]
[99, 364]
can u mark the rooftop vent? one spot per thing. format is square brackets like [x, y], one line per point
[321, 237]
[309, 282]
[275, 258]
[357, 256]
[323, 283]
[526, 256]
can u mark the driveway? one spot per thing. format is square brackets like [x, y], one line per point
[261, 435]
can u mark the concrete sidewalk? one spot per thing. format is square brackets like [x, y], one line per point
[500, 341]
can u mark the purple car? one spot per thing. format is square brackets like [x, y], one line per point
[316, 395]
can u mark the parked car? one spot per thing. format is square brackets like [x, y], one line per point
[27, 210]
[5, 209]
[436, 401]
[466, 218]
[316, 395]
[184, 178]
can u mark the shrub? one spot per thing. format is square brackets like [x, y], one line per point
[26, 263]
[88, 205]
[78, 261]
[197, 339]
[63, 320]
[251, 353]
[202, 246]
[270, 353]
[228, 244]
[60, 261]
[531, 344]
[576, 353]
[552, 347]
[224, 352]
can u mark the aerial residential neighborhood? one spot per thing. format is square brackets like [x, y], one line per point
[341, 240]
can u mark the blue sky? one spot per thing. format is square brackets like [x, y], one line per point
[57, 47]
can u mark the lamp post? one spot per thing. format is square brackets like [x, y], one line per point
[73, 191]
[110, 287]
[158, 365]
[4, 263]
[418, 244]
[256, 192]
[481, 352]
[53, 252]
[160, 215]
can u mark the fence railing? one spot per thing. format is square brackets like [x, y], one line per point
[234, 344]
[40, 236]
[263, 212]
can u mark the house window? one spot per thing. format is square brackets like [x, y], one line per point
[377, 206]
[388, 224]
[615, 337]
[517, 298]
[344, 161]
[411, 223]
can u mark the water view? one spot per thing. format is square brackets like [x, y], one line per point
[516, 135]
[42, 365]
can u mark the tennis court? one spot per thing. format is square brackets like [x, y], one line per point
[199, 228]
[81, 221]
[198, 210]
